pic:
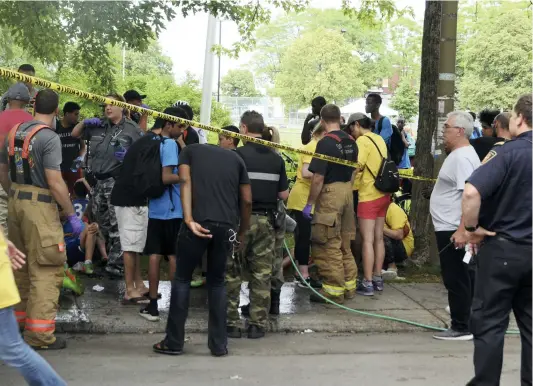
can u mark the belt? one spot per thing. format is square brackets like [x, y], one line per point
[262, 212]
[29, 196]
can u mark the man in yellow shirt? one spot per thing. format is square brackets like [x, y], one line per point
[399, 241]
[13, 350]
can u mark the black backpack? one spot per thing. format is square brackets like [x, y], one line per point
[397, 147]
[144, 158]
[387, 180]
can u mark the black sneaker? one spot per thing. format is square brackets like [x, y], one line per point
[234, 332]
[245, 310]
[219, 354]
[150, 314]
[59, 344]
[255, 332]
[450, 334]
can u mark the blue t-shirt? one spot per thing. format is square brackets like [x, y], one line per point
[67, 230]
[386, 130]
[162, 208]
[405, 163]
[80, 204]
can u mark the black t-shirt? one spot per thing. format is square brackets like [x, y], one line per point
[190, 137]
[216, 175]
[482, 145]
[266, 170]
[344, 149]
[70, 146]
[307, 130]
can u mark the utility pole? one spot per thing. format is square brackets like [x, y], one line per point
[207, 80]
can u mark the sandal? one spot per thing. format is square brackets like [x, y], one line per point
[162, 348]
[134, 301]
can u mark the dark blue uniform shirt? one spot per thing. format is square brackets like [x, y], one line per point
[504, 183]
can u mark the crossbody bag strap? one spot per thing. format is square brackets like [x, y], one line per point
[381, 155]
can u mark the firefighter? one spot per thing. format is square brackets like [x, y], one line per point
[31, 172]
[333, 222]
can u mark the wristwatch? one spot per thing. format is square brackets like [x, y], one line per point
[471, 229]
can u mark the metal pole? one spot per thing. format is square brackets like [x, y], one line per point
[219, 57]
[207, 80]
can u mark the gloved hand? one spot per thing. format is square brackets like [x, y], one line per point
[94, 122]
[76, 224]
[119, 155]
[307, 212]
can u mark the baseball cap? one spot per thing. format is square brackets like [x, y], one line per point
[355, 117]
[19, 92]
[132, 95]
[174, 111]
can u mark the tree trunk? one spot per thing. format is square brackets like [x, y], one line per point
[427, 124]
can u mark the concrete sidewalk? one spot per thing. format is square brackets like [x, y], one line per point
[102, 312]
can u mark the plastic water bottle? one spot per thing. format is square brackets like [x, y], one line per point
[76, 164]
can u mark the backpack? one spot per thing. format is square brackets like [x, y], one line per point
[396, 147]
[144, 158]
[387, 180]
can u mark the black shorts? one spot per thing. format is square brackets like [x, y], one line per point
[162, 236]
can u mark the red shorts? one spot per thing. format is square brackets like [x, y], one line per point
[371, 210]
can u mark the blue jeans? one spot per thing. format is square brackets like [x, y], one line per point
[16, 353]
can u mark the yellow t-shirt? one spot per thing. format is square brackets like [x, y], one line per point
[397, 219]
[9, 294]
[300, 191]
[369, 158]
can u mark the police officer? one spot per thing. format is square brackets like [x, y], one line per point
[333, 222]
[31, 173]
[108, 140]
[497, 216]
[266, 171]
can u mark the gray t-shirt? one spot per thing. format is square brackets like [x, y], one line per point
[45, 153]
[104, 141]
[445, 203]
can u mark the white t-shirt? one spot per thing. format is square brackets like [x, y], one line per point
[202, 135]
[445, 203]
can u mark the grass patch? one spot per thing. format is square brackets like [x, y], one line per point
[423, 274]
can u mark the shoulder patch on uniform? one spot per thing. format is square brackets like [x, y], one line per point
[489, 156]
[499, 143]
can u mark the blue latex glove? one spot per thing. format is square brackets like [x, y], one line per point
[76, 224]
[119, 155]
[307, 212]
[95, 122]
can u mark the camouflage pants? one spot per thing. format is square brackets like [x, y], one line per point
[277, 271]
[104, 214]
[256, 260]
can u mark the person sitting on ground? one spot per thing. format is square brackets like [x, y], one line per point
[227, 142]
[296, 203]
[165, 214]
[398, 239]
[312, 119]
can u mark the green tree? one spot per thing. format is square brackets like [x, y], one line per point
[405, 100]
[318, 63]
[494, 54]
[239, 83]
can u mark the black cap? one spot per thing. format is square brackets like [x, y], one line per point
[132, 95]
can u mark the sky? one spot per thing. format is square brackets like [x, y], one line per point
[184, 39]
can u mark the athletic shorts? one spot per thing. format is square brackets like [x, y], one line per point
[162, 237]
[75, 253]
[132, 226]
[371, 210]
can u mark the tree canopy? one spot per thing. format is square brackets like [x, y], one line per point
[239, 83]
[318, 63]
[494, 54]
[405, 100]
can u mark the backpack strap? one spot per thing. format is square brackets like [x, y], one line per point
[25, 152]
[334, 136]
[380, 125]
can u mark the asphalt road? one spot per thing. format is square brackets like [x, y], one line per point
[279, 359]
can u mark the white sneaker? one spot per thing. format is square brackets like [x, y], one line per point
[389, 274]
[447, 309]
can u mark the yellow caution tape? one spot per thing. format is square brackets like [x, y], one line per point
[6, 73]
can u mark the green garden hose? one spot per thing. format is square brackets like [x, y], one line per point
[371, 314]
